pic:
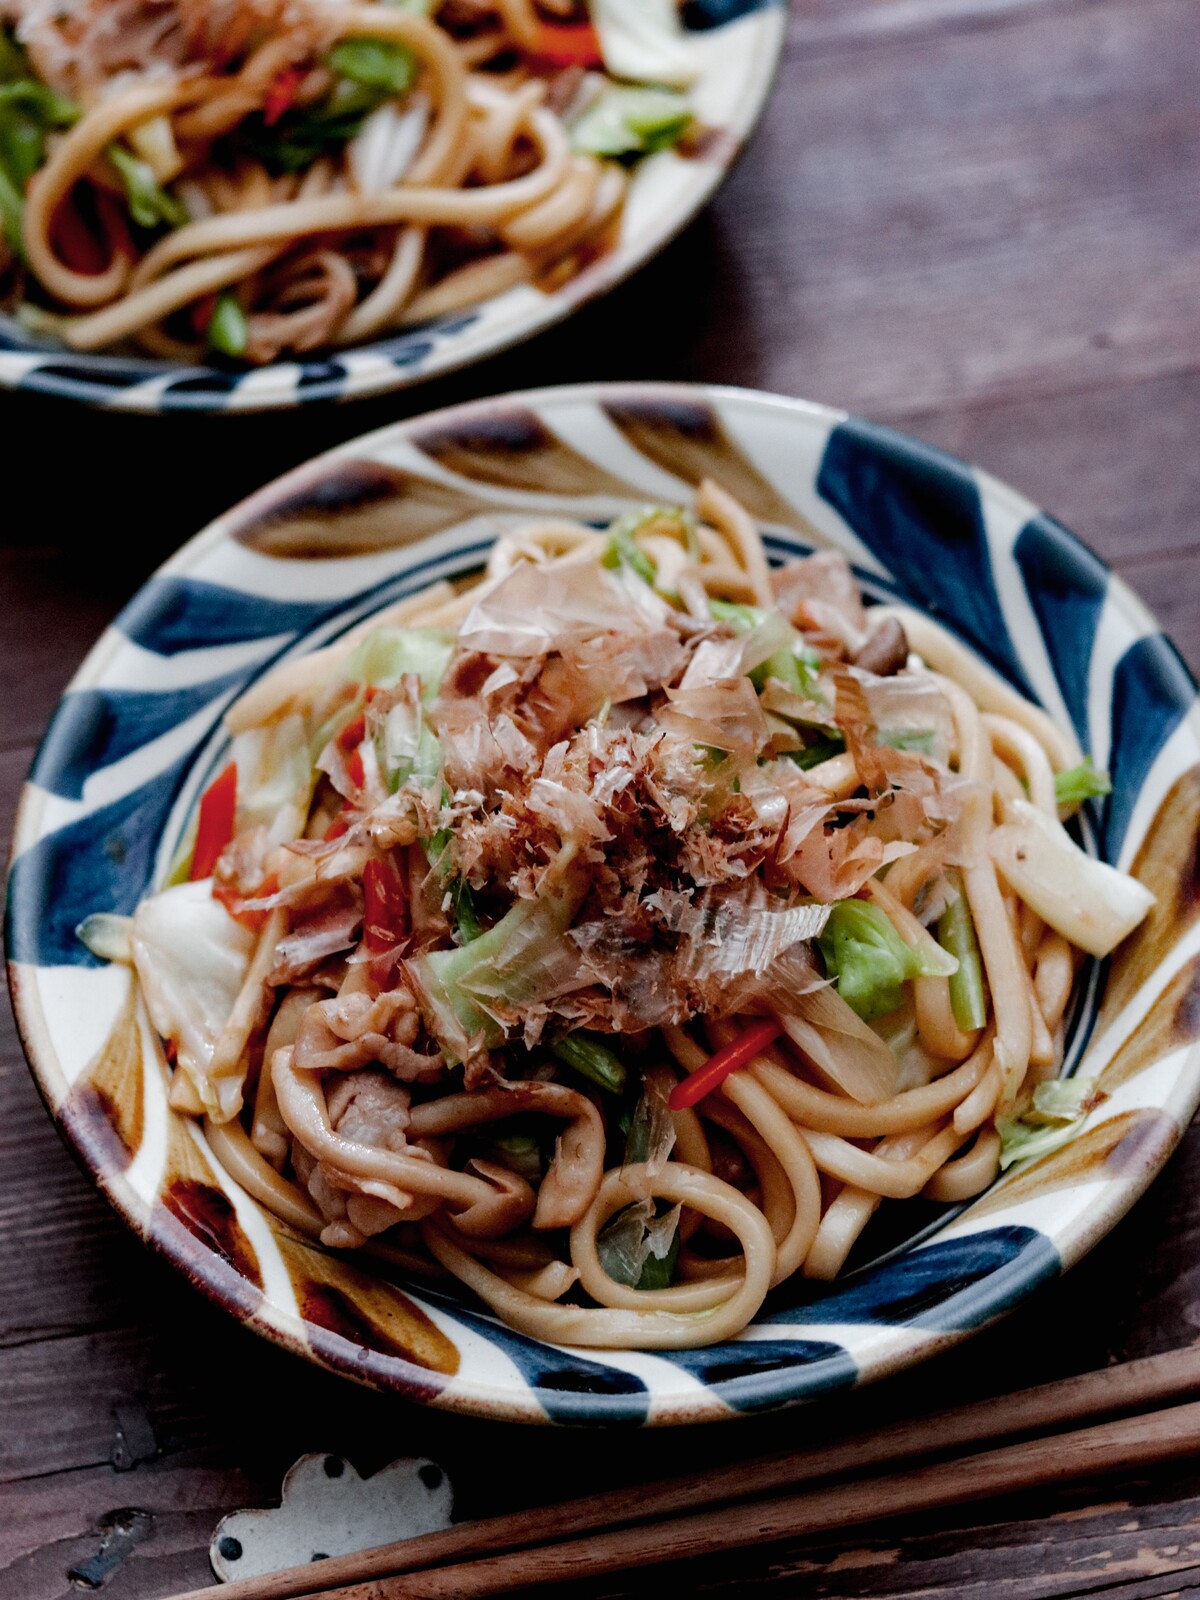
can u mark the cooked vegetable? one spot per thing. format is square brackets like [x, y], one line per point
[738, 1053]
[631, 122]
[644, 41]
[191, 960]
[819, 750]
[463, 989]
[1087, 901]
[870, 962]
[28, 111]
[218, 808]
[568, 44]
[956, 935]
[639, 1248]
[386, 655]
[587, 1054]
[623, 549]
[385, 906]
[228, 329]
[150, 205]
[1059, 1109]
[1084, 782]
[107, 936]
[377, 63]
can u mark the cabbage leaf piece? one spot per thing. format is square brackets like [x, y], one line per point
[1057, 1114]
[638, 1248]
[626, 121]
[870, 962]
[465, 991]
[386, 654]
[191, 959]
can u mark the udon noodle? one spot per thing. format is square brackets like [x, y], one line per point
[617, 932]
[254, 177]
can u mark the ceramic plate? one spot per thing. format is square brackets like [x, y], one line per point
[138, 735]
[737, 42]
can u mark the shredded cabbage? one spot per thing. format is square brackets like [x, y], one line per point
[275, 776]
[870, 962]
[191, 959]
[463, 988]
[1059, 1110]
[638, 1248]
[386, 654]
[624, 121]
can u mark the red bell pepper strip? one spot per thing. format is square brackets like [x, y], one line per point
[281, 95]
[201, 314]
[575, 44]
[385, 913]
[218, 806]
[75, 242]
[240, 906]
[353, 734]
[339, 825]
[729, 1058]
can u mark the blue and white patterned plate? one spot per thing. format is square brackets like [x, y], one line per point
[737, 45]
[138, 734]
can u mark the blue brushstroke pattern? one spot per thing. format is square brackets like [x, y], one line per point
[701, 14]
[950, 1285]
[1066, 585]
[569, 1387]
[920, 513]
[1152, 692]
[111, 375]
[321, 375]
[745, 1374]
[93, 728]
[173, 614]
[101, 862]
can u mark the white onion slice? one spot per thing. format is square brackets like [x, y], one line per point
[1087, 901]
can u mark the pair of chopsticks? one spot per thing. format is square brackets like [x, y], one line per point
[655, 1523]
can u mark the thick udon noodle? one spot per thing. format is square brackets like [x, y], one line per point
[314, 257]
[778, 1164]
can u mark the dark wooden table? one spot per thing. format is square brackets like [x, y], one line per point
[977, 219]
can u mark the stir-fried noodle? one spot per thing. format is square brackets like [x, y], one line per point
[251, 177]
[618, 932]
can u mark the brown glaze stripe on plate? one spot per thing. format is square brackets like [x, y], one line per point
[107, 1106]
[370, 1314]
[350, 508]
[512, 448]
[688, 439]
[1168, 863]
[1132, 1140]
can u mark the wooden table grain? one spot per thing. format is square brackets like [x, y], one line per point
[976, 219]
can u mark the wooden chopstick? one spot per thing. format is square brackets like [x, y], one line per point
[1153, 1381]
[1111, 1447]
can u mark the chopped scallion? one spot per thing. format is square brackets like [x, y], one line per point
[586, 1054]
[1084, 782]
[228, 330]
